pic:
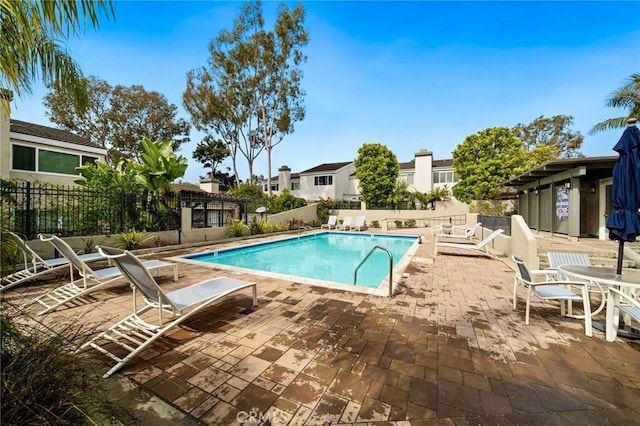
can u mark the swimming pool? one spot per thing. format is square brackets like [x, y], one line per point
[326, 258]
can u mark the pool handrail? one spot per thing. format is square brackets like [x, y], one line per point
[355, 273]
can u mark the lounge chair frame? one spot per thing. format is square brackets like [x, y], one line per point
[481, 247]
[134, 334]
[90, 280]
[33, 266]
[468, 233]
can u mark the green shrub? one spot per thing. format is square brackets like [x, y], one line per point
[375, 224]
[260, 226]
[410, 223]
[398, 223]
[236, 228]
[133, 239]
[89, 246]
[45, 381]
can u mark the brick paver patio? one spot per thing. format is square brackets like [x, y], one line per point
[449, 349]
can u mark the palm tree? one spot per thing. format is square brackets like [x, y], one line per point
[30, 31]
[628, 97]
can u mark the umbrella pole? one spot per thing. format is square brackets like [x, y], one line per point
[620, 257]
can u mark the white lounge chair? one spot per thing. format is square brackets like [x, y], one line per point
[133, 334]
[552, 290]
[619, 301]
[33, 266]
[481, 247]
[359, 225]
[346, 224]
[90, 280]
[331, 222]
[467, 234]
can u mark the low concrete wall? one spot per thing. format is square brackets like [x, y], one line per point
[308, 214]
[523, 243]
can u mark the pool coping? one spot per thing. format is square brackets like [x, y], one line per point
[381, 290]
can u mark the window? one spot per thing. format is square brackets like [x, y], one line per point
[407, 178]
[274, 186]
[295, 186]
[88, 160]
[57, 162]
[24, 158]
[444, 177]
[42, 160]
[323, 180]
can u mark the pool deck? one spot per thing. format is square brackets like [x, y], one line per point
[449, 349]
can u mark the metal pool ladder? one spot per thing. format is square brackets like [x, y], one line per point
[386, 250]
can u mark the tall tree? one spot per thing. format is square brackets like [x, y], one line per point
[30, 36]
[554, 133]
[377, 170]
[626, 97]
[136, 114]
[211, 152]
[485, 161]
[280, 95]
[249, 94]
[92, 121]
[118, 117]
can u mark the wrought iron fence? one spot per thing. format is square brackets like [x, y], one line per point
[29, 208]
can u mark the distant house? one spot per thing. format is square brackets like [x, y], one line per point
[338, 181]
[32, 152]
[327, 180]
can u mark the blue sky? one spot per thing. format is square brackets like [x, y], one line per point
[409, 75]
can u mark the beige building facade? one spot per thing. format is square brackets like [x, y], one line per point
[35, 153]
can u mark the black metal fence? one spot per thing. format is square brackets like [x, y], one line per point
[29, 208]
[496, 222]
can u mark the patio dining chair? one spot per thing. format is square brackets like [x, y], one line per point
[90, 280]
[133, 334]
[557, 259]
[34, 266]
[620, 301]
[551, 290]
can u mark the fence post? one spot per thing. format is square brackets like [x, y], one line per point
[121, 211]
[27, 230]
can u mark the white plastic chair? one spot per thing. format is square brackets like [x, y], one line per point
[134, 334]
[616, 302]
[346, 224]
[331, 222]
[359, 225]
[90, 280]
[552, 290]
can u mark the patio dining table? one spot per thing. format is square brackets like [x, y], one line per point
[627, 281]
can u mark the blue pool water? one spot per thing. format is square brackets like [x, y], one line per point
[326, 256]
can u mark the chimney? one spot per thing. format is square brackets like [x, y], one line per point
[284, 178]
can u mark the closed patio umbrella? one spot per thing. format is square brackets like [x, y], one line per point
[624, 221]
